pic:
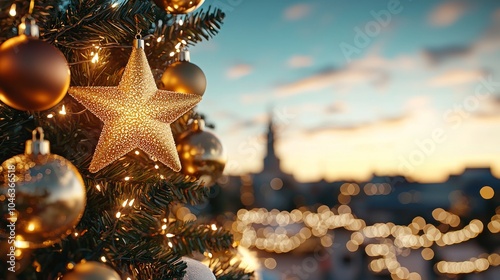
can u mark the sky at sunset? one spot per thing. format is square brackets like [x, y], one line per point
[356, 87]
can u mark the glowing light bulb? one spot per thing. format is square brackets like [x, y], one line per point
[12, 11]
[63, 110]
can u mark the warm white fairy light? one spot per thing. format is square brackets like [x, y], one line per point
[125, 203]
[137, 152]
[214, 227]
[131, 202]
[98, 187]
[127, 178]
[164, 227]
[103, 259]
[118, 215]
[63, 110]
[169, 235]
[95, 58]
[50, 116]
[114, 5]
[12, 11]
[170, 244]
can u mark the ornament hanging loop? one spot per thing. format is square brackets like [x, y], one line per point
[197, 124]
[38, 131]
[37, 146]
[29, 27]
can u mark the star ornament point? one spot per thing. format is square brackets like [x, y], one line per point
[136, 115]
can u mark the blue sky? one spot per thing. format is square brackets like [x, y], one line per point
[374, 110]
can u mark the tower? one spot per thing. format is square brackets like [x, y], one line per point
[271, 161]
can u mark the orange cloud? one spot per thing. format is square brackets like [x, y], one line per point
[457, 77]
[328, 78]
[297, 12]
[300, 61]
[447, 13]
[239, 71]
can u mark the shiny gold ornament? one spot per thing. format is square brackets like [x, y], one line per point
[44, 195]
[135, 114]
[179, 6]
[184, 76]
[201, 153]
[92, 271]
[34, 75]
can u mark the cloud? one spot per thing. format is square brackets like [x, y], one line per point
[489, 109]
[239, 71]
[300, 61]
[456, 77]
[297, 12]
[496, 15]
[337, 108]
[329, 77]
[447, 13]
[439, 55]
[394, 121]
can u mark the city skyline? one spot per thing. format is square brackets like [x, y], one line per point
[386, 87]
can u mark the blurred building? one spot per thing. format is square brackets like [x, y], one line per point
[382, 199]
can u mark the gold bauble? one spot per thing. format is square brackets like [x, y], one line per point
[43, 194]
[92, 271]
[34, 75]
[179, 6]
[185, 77]
[201, 153]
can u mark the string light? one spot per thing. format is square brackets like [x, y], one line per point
[12, 11]
[98, 187]
[103, 259]
[95, 58]
[63, 110]
[170, 235]
[267, 230]
[50, 116]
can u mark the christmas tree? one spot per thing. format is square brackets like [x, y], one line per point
[113, 133]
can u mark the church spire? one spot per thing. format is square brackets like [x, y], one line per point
[271, 161]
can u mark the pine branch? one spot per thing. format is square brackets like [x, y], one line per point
[190, 237]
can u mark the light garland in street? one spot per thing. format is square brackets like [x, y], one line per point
[282, 231]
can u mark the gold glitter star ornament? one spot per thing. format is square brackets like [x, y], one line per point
[135, 114]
